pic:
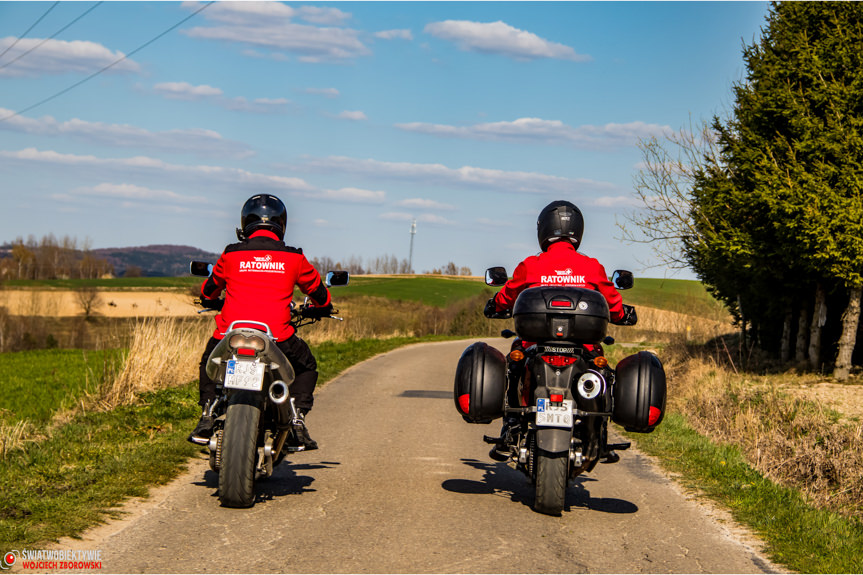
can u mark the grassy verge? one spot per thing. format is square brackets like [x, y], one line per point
[797, 535]
[77, 476]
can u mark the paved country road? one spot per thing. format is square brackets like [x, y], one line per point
[402, 485]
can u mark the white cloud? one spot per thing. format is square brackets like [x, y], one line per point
[394, 34]
[354, 115]
[323, 16]
[258, 105]
[423, 204]
[327, 92]
[203, 177]
[321, 223]
[501, 38]
[196, 141]
[458, 178]
[617, 202]
[186, 91]
[552, 132]
[269, 25]
[135, 192]
[60, 57]
[424, 218]
[350, 195]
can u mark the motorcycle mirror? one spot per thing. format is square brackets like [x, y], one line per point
[202, 269]
[496, 276]
[337, 278]
[622, 279]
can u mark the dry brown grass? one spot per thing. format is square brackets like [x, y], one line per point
[163, 352]
[793, 441]
[14, 436]
[658, 325]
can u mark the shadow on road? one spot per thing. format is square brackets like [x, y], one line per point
[285, 481]
[501, 479]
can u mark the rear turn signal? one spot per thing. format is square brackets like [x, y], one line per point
[559, 360]
[600, 362]
[516, 355]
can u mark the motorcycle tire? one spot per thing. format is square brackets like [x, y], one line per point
[239, 450]
[551, 482]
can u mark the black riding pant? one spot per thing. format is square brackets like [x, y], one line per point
[298, 353]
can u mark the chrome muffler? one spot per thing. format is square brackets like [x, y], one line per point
[278, 392]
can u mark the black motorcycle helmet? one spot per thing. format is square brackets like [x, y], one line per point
[263, 212]
[559, 220]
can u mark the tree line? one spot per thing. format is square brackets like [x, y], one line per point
[766, 204]
[385, 264]
[50, 258]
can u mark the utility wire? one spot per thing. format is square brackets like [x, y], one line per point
[28, 29]
[109, 66]
[54, 35]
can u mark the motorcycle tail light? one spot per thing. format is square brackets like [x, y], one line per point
[600, 362]
[245, 351]
[559, 360]
[250, 342]
[556, 398]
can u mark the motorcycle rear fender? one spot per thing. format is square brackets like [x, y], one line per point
[554, 439]
[272, 354]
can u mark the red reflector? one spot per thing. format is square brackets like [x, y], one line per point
[464, 403]
[245, 351]
[556, 398]
[654, 415]
[561, 303]
[559, 360]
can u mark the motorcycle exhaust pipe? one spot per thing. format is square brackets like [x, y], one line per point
[278, 392]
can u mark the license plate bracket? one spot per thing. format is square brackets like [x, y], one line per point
[246, 375]
[553, 415]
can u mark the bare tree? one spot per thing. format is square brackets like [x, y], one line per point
[89, 299]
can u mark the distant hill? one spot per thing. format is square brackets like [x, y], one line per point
[154, 261]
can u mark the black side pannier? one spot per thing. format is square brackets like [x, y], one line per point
[561, 313]
[639, 392]
[480, 383]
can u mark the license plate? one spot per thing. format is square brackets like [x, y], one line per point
[548, 415]
[247, 375]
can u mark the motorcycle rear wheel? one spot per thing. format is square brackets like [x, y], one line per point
[239, 442]
[551, 482]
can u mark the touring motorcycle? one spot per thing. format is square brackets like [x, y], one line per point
[256, 422]
[556, 388]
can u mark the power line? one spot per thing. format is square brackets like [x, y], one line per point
[30, 28]
[109, 66]
[51, 37]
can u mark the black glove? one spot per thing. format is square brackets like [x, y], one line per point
[315, 312]
[215, 304]
[629, 316]
[491, 312]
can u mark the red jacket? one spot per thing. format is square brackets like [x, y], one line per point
[560, 265]
[259, 275]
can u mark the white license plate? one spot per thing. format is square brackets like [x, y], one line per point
[247, 375]
[548, 415]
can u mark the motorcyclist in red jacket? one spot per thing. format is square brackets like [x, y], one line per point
[258, 275]
[559, 229]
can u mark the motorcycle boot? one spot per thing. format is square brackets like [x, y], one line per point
[300, 439]
[204, 430]
[501, 450]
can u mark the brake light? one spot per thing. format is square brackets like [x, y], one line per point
[464, 403]
[556, 398]
[654, 415]
[559, 360]
[561, 303]
[245, 351]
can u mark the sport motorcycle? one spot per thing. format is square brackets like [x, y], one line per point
[555, 388]
[256, 422]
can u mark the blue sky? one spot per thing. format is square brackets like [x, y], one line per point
[469, 117]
